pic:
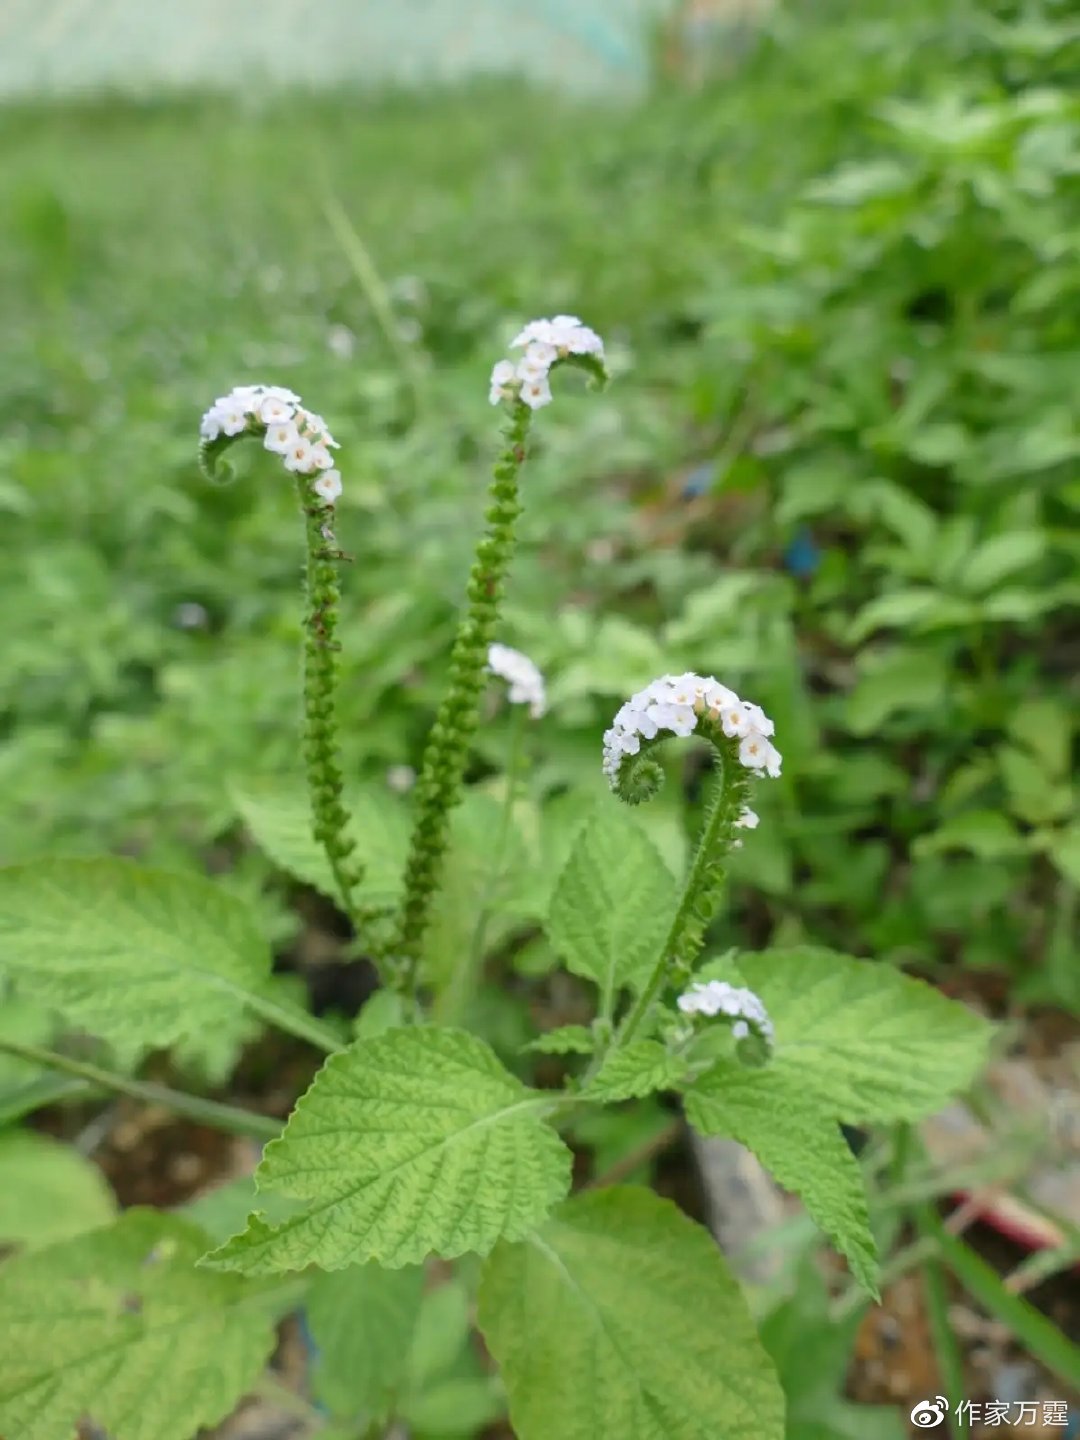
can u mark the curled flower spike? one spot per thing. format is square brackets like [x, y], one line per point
[681, 704]
[525, 681]
[301, 437]
[717, 997]
[546, 343]
[302, 441]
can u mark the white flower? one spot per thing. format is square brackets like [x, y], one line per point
[536, 393]
[320, 459]
[538, 360]
[278, 392]
[401, 778]
[210, 425]
[273, 411]
[525, 680]
[298, 455]
[718, 997]
[280, 439]
[233, 418]
[327, 486]
[565, 333]
[756, 752]
[503, 378]
[748, 819]
[676, 704]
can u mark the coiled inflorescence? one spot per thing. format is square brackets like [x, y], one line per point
[718, 997]
[299, 436]
[681, 705]
[546, 343]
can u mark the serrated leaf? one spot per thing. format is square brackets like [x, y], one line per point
[620, 1317]
[799, 1143]
[565, 1040]
[413, 1143]
[279, 818]
[125, 951]
[613, 904]
[636, 1069]
[118, 1326]
[50, 1190]
[223, 1210]
[864, 1040]
[362, 1321]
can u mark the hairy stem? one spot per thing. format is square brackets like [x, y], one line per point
[450, 1007]
[700, 896]
[442, 773]
[330, 819]
[192, 1107]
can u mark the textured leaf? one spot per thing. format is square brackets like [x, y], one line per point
[799, 1143]
[415, 1142]
[363, 1320]
[119, 1326]
[613, 903]
[864, 1040]
[619, 1317]
[636, 1069]
[122, 951]
[565, 1040]
[50, 1190]
[279, 818]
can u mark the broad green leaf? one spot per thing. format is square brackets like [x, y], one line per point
[124, 951]
[49, 1191]
[446, 1391]
[1034, 795]
[899, 680]
[636, 1069]
[863, 1040]
[799, 1142]
[620, 1317]
[415, 1142]
[565, 1040]
[1000, 557]
[1064, 850]
[986, 833]
[1045, 728]
[118, 1326]
[896, 610]
[279, 818]
[613, 904]
[223, 1210]
[362, 1321]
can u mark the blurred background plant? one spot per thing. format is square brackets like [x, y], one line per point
[835, 252]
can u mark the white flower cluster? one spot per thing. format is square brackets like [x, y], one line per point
[525, 681]
[717, 997]
[299, 436]
[675, 703]
[545, 341]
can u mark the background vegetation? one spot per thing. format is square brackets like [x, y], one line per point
[837, 466]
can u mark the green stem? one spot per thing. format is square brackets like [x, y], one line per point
[451, 1006]
[700, 897]
[192, 1107]
[442, 774]
[294, 1022]
[330, 819]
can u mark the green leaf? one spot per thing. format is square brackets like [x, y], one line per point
[279, 818]
[1064, 850]
[799, 1142]
[636, 1069]
[362, 1321]
[118, 1326]
[50, 1190]
[899, 680]
[124, 951]
[564, 1040]
[223, 1210]
[985, 833]
[1034, 796]
[1002, 556]
[613, 904]
[896, 610]
[415, 1142]
[1044, 727]
[620, 1317]
[862, 1039]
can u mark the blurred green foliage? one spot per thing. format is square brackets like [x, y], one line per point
[837, 467]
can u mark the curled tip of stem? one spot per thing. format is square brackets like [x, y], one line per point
[640, 777]
[212, 461]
